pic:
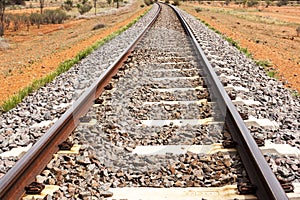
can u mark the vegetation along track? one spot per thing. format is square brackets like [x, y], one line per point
[157, 125]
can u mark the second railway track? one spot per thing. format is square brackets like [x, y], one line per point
[156, 131]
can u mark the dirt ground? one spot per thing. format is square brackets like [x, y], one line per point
[269, 34]
[29, 55]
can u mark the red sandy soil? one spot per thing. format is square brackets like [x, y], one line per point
[268, 33]
[35, 53]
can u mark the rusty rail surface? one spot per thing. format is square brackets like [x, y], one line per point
[260, 173]
[12, 185]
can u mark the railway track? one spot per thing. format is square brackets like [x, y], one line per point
[158, 125]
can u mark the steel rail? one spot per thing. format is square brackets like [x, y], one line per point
[12, 185]
[259, 172]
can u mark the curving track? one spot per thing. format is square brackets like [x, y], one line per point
[158, 123]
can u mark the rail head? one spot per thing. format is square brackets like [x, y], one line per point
[259, 172]
[12, 185]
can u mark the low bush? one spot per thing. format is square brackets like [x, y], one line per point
[36, 18]
[84, 8]
[57, 16]
[272, 73]
[268, 3]
[251, 3]
[68, 5]
[263, 63]
[282, 3]
[227, 2]
[198, 9]
[16, 20]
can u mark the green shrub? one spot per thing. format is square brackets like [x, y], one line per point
[68, 5]
[15, 3]
[282, 2]
[296, 94]
[198, 9]
[57, 16]
[6, 21]
[272, 73]
[263, 63]
[251, 3]
[268, 3]
[36, 18]
[84, 8]
[227, 2]
[18, 21]
[15, 21]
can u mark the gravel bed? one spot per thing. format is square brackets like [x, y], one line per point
[160, 74]
[177, 83]
[168, 135]
[106, 159]
[173, 65]
[176, 111]
[26, 123]
[192, 95]
[277, 102]
[85, 177]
